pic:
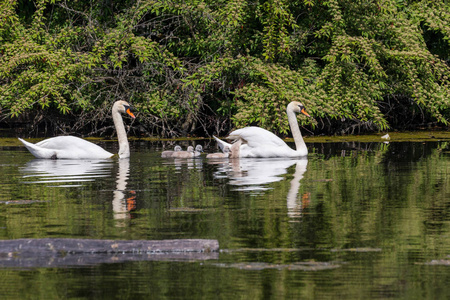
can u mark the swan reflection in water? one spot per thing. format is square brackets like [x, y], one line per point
[69, 172]
[121, 206]
[190, 163]
[72, 173]
[254, 175]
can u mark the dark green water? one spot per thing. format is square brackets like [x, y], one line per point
[353, 221]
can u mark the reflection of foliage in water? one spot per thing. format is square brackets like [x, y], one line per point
[392, 197]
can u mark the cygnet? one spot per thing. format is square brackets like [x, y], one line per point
[169, 153]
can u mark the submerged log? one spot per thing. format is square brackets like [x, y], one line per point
[302, 266]
[48, 252]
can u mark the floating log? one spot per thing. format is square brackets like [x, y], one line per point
[70, 246]
[49, 252]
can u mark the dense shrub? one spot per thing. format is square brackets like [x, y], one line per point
[207, 66]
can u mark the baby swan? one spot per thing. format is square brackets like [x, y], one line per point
[228, 152]
[169, 153]
[189, 153]
[198, 150]
[217, 155]
[184, 154]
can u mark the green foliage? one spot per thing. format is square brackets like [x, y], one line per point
[194, 64]
[33, 71]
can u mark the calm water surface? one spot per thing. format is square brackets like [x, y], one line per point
[352, 221]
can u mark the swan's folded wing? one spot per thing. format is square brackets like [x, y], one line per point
[65, 142]
[222, 145]
[257, 137]
[37, 151]
[67, 147]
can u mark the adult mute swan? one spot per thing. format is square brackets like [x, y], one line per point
[71, 147]
[258, 142]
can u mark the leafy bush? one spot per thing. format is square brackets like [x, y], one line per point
[207, 66]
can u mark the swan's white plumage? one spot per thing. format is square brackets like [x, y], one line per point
[259, 142]
[71, 147]
[66, 147]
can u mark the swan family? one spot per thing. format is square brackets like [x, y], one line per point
[245, 142]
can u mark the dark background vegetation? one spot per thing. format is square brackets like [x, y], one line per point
[193, 67]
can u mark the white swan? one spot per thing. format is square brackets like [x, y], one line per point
[168, 153]
[71, 147]
[258, 142]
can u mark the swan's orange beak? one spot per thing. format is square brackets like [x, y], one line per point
[130, 113]
[303, 111]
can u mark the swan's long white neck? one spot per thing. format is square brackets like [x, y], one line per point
[124, 147]
[296, 134]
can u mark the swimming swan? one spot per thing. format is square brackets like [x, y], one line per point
[258, 142]
[189, 153]
[168, 153]
[198, 150]
[71, 147]
[216, 155]
[184, 154]
[228, 152]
